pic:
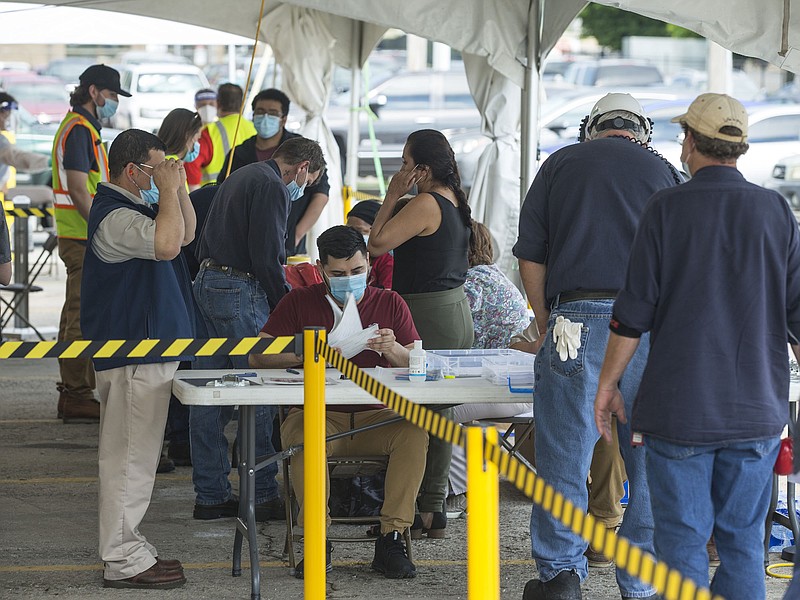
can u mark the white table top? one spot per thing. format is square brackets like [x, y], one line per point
[445, 391]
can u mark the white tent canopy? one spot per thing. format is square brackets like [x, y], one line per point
[504, 43]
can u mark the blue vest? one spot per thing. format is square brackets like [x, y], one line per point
[133, 300]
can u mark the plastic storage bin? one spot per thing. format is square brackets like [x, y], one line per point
[464, 363]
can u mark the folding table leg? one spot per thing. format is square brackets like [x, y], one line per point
[246, 521]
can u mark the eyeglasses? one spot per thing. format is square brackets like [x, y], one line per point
[148, 166]
[271, 113]
[7, 106]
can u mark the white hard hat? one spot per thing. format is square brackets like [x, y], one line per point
[616, 103]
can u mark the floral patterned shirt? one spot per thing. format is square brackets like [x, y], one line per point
[498, 308]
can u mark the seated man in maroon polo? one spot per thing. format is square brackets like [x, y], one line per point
[344, 266]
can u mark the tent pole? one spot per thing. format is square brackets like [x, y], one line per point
[354, 129]
[530, 100]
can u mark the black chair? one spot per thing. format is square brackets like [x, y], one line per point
[20, 291]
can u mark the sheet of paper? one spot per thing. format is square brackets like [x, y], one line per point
[347, 334]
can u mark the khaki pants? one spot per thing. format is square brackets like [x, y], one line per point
[404, 443]
[607, 475]
[134, 401]
[77, 374]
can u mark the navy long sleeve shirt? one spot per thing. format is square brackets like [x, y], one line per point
[246, 226]
[714, 275]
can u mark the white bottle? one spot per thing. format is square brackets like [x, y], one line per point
[416, 363]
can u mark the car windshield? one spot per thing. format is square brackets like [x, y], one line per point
[168, 83]
[27, 92]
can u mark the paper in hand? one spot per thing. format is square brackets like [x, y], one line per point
[347, 333]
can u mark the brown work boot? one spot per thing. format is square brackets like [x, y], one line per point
[80, 410]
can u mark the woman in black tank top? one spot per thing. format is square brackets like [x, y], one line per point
[430, 238]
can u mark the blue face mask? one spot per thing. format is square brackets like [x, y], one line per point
[296, 191]
[108, 109]
[267, 125]
[340, 286]
[192, 154]
[149, 196]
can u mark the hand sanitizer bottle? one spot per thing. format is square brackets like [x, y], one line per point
[416, 363]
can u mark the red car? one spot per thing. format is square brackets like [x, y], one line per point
[46, 98]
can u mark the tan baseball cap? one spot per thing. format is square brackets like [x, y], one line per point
[709, 113]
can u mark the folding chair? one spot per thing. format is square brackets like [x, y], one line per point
[339, 467]
[20, 291]
[519, 430]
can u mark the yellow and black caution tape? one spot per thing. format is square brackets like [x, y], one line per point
[152, 348]
[356, 195]
[29, 212]
[668, 582]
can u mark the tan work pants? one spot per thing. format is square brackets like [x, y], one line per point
[77, 374]
[404, 443]
[134, 401]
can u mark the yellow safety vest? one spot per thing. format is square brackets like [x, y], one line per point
[69, 222]
[221, 133]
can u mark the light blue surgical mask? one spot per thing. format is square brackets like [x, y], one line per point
[149, 196]
[296, 191]
[267, 125]
[192, 154]
[108, 109]
[354, 284]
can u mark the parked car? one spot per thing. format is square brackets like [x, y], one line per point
[785, 180]
[773, 131]
[613, 72]
[156, 88]
[402, 104]
[695, 81]
[45, 98]
[68, 70]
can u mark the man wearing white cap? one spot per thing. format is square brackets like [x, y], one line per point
[576, 228]
[714, 276]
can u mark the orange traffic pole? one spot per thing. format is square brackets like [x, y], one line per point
[483, 537]
[315, 463]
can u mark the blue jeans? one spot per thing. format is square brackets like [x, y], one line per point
[724, 488]
[231, 306]
[563, 410]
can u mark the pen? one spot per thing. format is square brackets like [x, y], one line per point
[293, 371]
[245, 374]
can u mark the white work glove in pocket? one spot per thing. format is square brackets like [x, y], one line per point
[567, 337]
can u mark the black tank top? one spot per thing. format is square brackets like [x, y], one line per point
[436, 262]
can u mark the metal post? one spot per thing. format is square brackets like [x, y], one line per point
[354, 126]
[315, 464]
[483, 536]
[21, 260]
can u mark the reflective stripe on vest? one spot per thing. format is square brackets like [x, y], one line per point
[69, 221]
[221, 133]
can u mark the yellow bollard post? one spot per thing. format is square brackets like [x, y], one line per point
[483, 537]
[347, 200]
[315, 463]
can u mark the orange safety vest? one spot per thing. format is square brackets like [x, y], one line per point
[69, 222]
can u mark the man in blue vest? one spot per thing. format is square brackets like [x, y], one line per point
[130, 292]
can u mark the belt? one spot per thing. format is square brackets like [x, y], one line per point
[210, 263]
[574, 296]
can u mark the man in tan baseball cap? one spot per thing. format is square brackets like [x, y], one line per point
[715, 132]
[713, 277]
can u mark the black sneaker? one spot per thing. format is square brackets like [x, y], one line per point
[270, 510]
[391, 558]
[564, 586]
[298, 570]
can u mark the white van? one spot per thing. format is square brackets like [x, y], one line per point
[156, 89]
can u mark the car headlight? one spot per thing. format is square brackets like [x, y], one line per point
[794, 173]
[779, 172]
